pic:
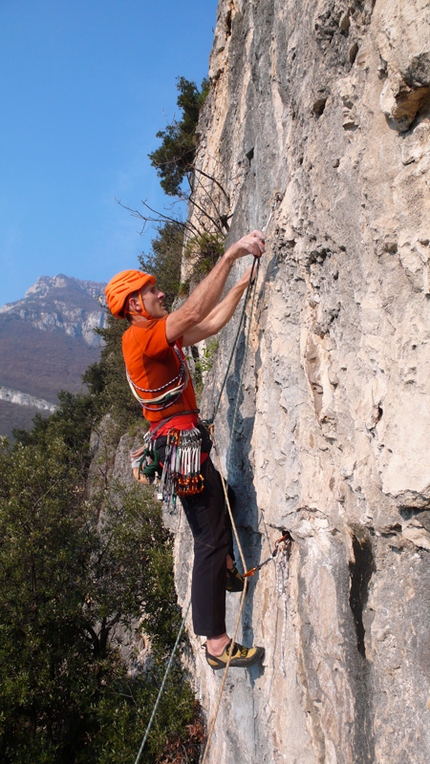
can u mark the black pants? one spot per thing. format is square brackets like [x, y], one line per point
[210, 525]
[209, 521]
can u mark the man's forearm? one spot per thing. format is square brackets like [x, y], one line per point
[219, 316]
[201, 301]
[207, 294]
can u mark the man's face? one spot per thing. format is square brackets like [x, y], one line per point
[153, 301]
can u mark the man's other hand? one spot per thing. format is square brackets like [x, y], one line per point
[251, 244]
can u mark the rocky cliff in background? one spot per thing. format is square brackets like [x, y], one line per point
[47, 341]
[319, 110]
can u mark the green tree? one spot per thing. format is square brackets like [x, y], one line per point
[174, 158]
[75, 574]
[165, 260]
[107, 383]
[79, 570]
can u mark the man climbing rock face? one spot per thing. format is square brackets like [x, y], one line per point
[159, 377]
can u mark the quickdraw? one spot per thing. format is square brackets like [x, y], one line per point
[286, 540]
[181, 474]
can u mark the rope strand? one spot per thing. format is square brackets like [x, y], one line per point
[253, 277]
[160, 692]
[255, 268]
[225, 483]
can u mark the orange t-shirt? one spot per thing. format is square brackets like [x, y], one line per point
[152, 363]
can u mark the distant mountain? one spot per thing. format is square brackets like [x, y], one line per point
[47, 341]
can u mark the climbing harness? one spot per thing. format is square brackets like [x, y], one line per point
[179, 474]
[168, 397]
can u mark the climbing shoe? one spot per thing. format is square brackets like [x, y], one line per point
[241, 656]
[235, 581]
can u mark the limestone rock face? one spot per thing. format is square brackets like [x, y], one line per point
[318, 125]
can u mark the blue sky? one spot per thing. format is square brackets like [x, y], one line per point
[84, 87]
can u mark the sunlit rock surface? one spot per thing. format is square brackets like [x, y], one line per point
[319, 112]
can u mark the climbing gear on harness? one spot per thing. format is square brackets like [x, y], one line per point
[181, 474]
[235, 582]
[180, 471]
[121, 286]
[145, 464]
[168, 397]
[285, 538]
[235, 655]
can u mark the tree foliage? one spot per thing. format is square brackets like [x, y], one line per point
[165, 260]
[76, 575]
[204, 251]
[107, 384]
[174, 158]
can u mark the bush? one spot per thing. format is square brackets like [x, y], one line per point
[204, 251]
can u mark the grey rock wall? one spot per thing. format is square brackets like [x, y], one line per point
[319, 111]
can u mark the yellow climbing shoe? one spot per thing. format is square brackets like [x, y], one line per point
[241, 657]
[235, 581]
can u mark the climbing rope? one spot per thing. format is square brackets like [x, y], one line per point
[160, 691]
[225, 482]
[252, 278]
[239, 615]
[284, 542]
[282, 572]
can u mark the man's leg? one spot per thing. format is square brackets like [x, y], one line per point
[210, 526]
[211, 529]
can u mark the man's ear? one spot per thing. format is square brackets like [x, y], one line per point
[134, 305]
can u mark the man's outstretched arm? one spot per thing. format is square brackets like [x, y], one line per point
[220, 315]
[206, 295]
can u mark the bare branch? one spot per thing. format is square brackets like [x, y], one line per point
[217, 183]
[159, 218]
[222, 217]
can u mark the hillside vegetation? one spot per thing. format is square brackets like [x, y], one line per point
[77, 572]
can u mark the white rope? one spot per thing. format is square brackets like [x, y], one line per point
[160, 692]
[242, 601]
[239, 616]
[281, 569]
